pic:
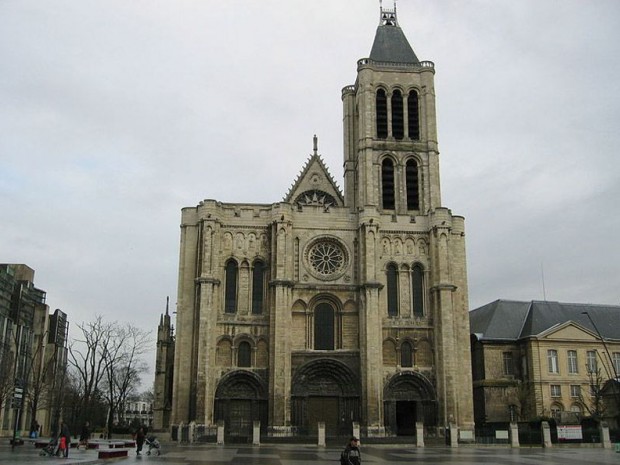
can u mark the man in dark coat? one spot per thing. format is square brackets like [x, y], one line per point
[351, 454]
[140, 435]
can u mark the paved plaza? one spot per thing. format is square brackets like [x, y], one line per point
[290, 454]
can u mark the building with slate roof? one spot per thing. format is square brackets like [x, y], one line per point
[342, 307]
[541, 358]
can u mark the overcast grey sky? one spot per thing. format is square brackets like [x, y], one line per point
[116, 114]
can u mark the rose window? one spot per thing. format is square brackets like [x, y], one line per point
[327, 258]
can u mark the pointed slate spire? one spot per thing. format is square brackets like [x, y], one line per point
[391, 45]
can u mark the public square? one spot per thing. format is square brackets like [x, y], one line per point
[307, 454]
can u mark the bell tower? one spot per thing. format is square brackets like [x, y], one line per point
[411, 271]
[390, 132]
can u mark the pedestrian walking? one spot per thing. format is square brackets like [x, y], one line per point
[140, 435]
[351, 454]
[84, 435]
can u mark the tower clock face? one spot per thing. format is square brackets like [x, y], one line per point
[326, 258]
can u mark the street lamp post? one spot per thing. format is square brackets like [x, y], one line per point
[616, 380]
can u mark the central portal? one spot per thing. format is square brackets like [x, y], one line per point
[325, 390]
[405, 418]
[323, 409]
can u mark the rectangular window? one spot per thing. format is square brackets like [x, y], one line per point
[509, 367]
[591, 361]
[572, 362]
[552, 359]
[556, 390]
[616, 359]
[575, 390]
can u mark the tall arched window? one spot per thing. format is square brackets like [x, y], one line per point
[406, 354]
[230, 298]
[387, 184]
[398, 122]
[392, 290]
[382, 120]
[417, 288]
[258, 287]
[411, 178]
[413, 113]
[244, 355]
[324, 327]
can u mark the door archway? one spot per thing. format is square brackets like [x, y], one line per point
[241, 399]
[409, 397]
[325, 390]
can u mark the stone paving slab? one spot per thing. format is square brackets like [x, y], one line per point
[290, 454]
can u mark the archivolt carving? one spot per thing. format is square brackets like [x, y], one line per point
[409, 385]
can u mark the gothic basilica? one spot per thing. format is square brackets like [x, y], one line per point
[343, 307]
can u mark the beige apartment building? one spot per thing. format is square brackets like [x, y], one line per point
[545, 359]
[343, 307]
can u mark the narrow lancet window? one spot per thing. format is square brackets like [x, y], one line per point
[244, 355]
[230, 298]
[398, 128]
[406, 355]
[258, 288]
[392, 290]
[417, 287]
[411, 178]
[387, 184]
[324, 327]
[413, 112]
[382, 119]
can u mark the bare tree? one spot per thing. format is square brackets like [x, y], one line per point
[593, 401]
[88, 359]
[123, 368]
[107, 362]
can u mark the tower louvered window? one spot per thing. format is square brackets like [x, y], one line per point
[382, 119]
[398, 123]
[411, 178]
[392, 290]
[387, 184]
[413, 112]
[230, 297]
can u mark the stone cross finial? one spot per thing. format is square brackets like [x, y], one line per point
[315, 142]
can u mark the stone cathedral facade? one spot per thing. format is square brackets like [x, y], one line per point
[331, 306]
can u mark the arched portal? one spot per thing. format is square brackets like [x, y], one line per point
[241, 399]
[325, 390]
[409, 397]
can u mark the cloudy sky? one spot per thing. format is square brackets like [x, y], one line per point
[116, 114]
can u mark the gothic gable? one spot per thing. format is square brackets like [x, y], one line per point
[315, 186]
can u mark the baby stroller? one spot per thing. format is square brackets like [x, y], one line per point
[153, 444]
[51, 449]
